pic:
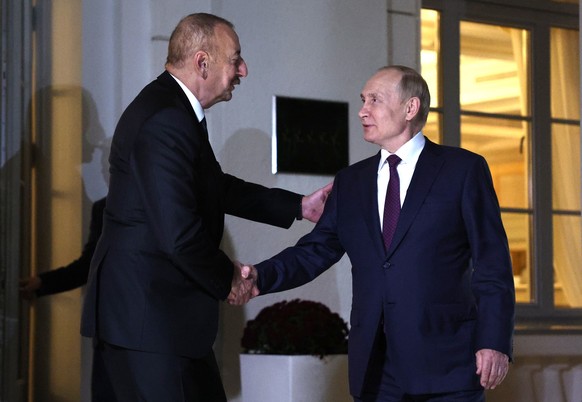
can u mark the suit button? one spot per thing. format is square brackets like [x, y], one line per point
[386, 265]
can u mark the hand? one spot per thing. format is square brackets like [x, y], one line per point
[312, 205]
[244, 284]
[28, 286]
[492, 366]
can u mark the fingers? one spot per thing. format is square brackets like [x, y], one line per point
[245, 271]
[327, 188]
[244, 284]
[313, 204]
[28, 286]
[492, 367]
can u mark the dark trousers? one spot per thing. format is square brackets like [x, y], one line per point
[381, 386]
[463, 396]
[124, 375]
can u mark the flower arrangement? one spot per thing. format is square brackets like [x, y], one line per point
[297, 327]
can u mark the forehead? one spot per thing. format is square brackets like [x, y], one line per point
[382, 83]
[227, 39]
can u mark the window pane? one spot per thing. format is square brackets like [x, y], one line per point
[565, 73]
[518, 228]
[432, 130]
[567, 261]
[504, 143]
[566, 167]
[566, 206]
[494, 69]
[429, 54]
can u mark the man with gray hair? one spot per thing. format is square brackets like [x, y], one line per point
[158, 273]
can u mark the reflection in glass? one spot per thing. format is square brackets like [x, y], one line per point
[494, 75]
[518, 228]
[429, 54]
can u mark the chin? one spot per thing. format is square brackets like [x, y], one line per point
[369, 138]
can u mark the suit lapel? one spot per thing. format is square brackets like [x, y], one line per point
[168, 81]
[426, 171]
[367, 189]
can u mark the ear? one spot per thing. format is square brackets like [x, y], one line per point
[201, 59]
[412, 108]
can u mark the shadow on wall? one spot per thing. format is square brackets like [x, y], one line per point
[96, 146]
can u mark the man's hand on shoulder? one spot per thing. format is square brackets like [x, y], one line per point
[312, 204]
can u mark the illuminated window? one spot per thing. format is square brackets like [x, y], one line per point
[565, 87]
[489, 97]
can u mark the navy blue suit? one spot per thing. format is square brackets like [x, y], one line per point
[442, 291]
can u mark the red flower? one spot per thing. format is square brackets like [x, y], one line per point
[298, 327]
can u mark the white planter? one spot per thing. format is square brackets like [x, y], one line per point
[281, 378]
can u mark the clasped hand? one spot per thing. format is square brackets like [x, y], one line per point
[244, 284]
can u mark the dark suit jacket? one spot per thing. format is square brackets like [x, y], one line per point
[158, 274]
[444, 288]
[75, 274]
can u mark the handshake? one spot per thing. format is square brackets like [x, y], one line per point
[244, 284]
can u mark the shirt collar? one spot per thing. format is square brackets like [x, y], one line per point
[193, 101]
[408, 152]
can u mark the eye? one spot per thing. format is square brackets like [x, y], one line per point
[237, 60]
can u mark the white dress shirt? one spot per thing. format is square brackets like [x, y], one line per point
[193, 101]
[409, 154]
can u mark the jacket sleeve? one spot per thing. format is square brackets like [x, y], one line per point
[313, 254]
[257, 203]
[492, 280]
[75, 274]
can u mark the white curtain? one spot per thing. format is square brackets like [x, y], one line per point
[520, 48]
[566, 163]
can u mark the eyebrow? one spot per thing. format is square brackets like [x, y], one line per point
[371, 95]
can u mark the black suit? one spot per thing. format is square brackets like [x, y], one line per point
[158, 273]
[75, 274]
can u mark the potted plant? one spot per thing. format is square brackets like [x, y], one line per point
[301, 347]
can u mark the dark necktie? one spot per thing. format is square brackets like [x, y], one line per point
[392, 204]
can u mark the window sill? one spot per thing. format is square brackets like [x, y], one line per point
[548, 329]
[549, 344]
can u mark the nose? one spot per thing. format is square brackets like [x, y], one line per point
[363, 111]
[243, 69]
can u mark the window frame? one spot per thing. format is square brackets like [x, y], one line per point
[538, 17]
